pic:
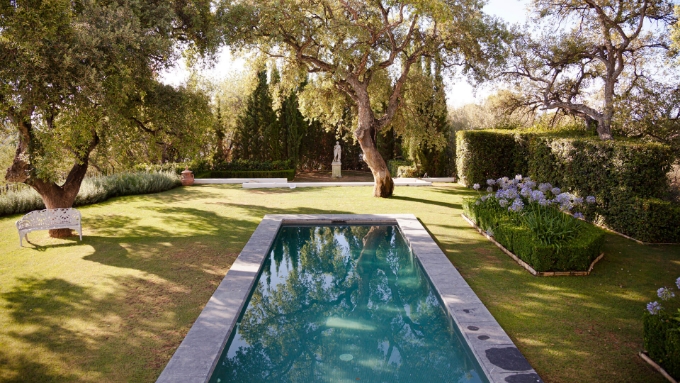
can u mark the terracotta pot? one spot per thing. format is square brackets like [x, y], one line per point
[187, 177]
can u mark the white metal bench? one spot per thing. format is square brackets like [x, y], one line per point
[48, 219]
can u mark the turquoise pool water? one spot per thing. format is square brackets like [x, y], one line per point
[344, 304]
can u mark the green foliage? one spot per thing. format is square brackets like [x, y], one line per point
[408, 172]
[485, 154]
[241, 164]
[550, 226]
[570, 68]
[662, 340]
[394, 165]
[628, 178]
[93, 190]
[81, 76]
[572, 245]
[289, 174]
[646, 219]
[257, 130]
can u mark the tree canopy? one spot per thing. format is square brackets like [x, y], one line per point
[75, 74]
[589, 54]
[363, 51]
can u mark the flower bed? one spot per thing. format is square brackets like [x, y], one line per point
[662, 333]
[530, 221]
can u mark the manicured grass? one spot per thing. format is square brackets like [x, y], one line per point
[114, 307]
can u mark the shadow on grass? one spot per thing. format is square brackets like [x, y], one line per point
[429, 202]
[133, 321]
[22, 369]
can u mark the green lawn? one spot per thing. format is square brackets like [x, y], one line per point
[114, 307]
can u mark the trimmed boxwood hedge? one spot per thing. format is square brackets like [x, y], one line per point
[484, 154]
[628, 178]
[662, 341]
[289, 174]
[574, 255]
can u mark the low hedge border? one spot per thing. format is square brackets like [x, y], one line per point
[289, 174]
[652, 363]
[662, 341]
[528, 267]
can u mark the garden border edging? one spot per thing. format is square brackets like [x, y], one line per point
[646, 358]
[526, 265]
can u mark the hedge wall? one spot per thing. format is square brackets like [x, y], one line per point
[289, 174]
[484, 154]
[628, 178]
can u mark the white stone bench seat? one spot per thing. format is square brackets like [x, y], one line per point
[48, 219]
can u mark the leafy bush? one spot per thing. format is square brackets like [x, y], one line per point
[393, 166]
[289, 174]
[198, 165]
[662, 333]
[249, 165]
[408, 172]
[93, 190]
[628, 178]
[533, 225]
[484, 154]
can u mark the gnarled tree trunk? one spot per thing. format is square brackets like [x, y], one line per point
[365, 133]
[53, 195]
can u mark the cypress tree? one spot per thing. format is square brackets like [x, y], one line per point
[256, 124]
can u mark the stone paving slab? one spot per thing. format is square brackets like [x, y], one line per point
[499, 358]
[293, 185]
[205, 181]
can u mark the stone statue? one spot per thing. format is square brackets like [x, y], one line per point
[336, 152]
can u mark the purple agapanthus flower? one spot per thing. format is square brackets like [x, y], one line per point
[677, 282]
[590, 199]
[503, 202]
[556, 191]
[490, 182]
[578, 216]
[489, 189]
[563, 198]
[578, 201]
[544, 202]
[529, 183]
[475, 186]
[517, 205]
[526, 192]
[544, 187]
[654, 307]
[665, 293]
[537, 195]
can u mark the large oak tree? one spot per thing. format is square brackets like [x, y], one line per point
[363, 50]
[75, 72]
[584, 54]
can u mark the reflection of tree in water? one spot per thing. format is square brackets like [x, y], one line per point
[331, 291]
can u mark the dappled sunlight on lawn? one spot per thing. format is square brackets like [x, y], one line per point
[114, 307]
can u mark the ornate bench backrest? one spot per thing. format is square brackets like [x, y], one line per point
[49, 218]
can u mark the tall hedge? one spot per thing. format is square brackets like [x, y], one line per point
[484, 154]
[628, 178]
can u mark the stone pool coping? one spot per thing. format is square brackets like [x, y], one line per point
[196, 357]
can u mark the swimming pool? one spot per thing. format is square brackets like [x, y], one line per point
[339, 298]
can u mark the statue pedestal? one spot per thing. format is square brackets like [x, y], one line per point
[336, 170]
